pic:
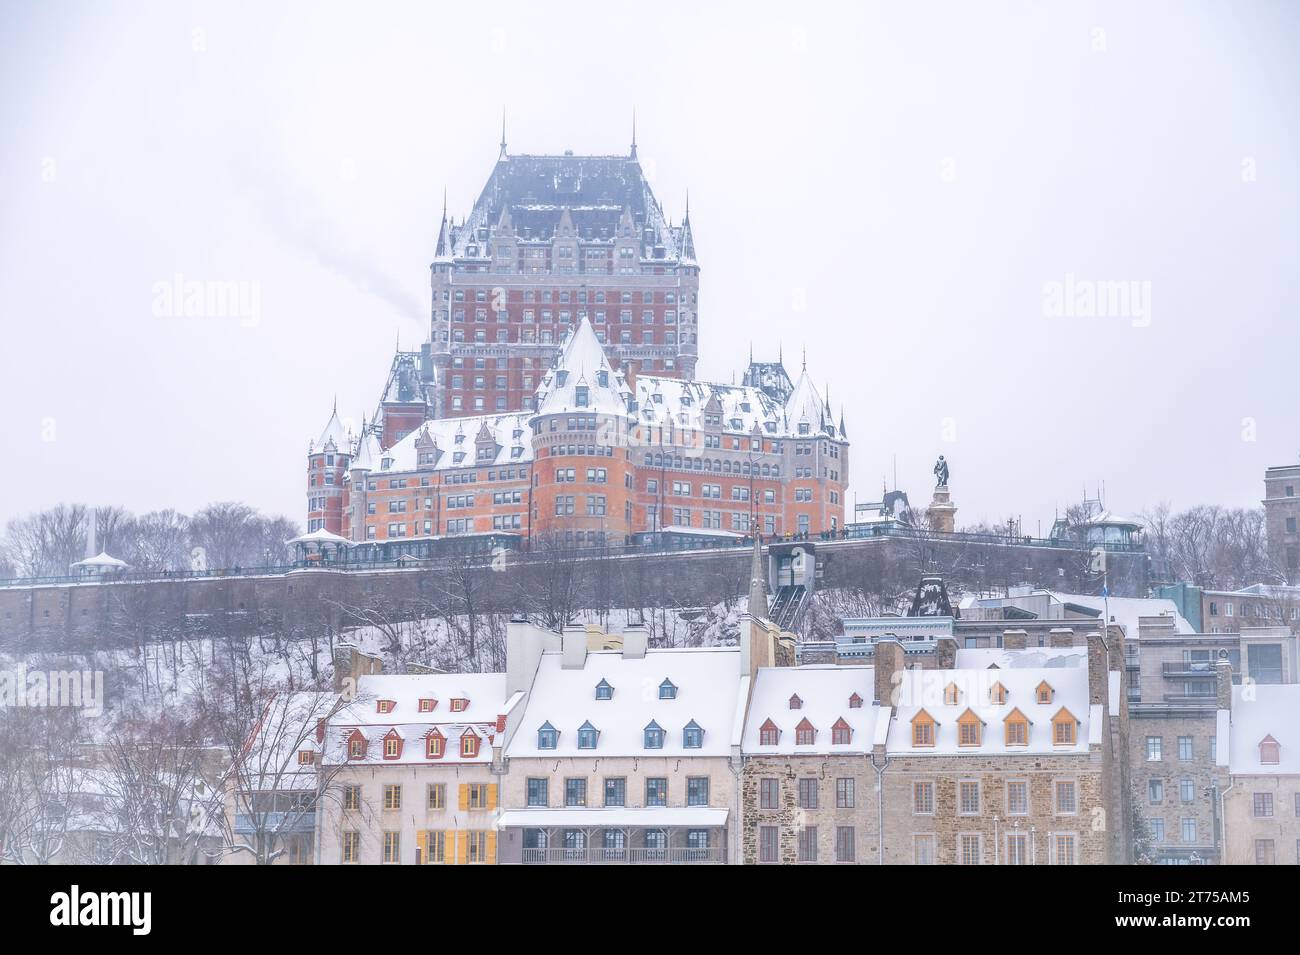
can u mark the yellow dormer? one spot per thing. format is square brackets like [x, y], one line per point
[1065, 728]
[951, 695]
[1016, 728]
[970, 729]
[923, 729]
[997, 694]
[1044, 692]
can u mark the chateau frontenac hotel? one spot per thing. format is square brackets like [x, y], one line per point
[556, 396]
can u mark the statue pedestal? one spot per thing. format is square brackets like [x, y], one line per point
[942, 514]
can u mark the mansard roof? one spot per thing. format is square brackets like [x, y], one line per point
[581, 363]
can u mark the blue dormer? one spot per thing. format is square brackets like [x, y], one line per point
[587, 736]
[654, 736]
[547, 736]
[602, 379]
[692, 736]
[604, 691]
[581, 396]
[561, 376]
[667, 690]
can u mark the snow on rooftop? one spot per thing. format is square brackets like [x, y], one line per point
[825, 693]
[707, 685]
[1260, 711]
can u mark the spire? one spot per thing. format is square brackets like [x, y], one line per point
[633, 132]
[805, 357]
[757, 586]
[442, 247]
[843, 433]
[503, 133]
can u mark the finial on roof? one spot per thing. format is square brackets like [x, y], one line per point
[687, 220]
[805, 357]
[633, 132]
[503, 132]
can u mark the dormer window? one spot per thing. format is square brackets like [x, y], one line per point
[795, 702]
[804, 734]
[561, 377]
[602, 379]
[1270, 751]
[427, 705]
[581, 396]
[357, 745]
[1016, 729]
[969, 729]
[547, 736]
[654, 736]
[392, 745]
[692, 736]
[667, 691]
[433, 745]
[923, 730]
[1065, 728]
[459, 704]
[604, 691]
[587, 736]
[855, 702]
[951, 695]
[1044, 692]
[769, 734]
[469, 745]
[997, 694]
[841, 733]
[384, 706]
[306, 757]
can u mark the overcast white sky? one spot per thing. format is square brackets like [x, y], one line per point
[891, 185]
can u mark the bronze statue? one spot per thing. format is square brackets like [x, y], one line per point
[941, 472]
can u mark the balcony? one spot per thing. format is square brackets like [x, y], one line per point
[1188, 668]
[598, 855]
[274, 822]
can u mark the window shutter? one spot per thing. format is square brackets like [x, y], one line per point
[492, 797]
[462, 850]
[449, 848]
[463, 796]
[492, 845]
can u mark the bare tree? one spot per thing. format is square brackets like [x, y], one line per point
[47, 543]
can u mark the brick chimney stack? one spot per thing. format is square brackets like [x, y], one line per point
[889, 665]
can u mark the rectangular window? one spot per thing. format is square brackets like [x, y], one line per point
[767, 843]
[393, 797]
[923, 850]
[1185, 748]
[537, 791]
[1017, 797]
[1189, 830]
[575, 791]
[1017, 848]
[969, 846]
[437, 795]
[435, 846]
[1265, 852]
[844, 793]
[352, 796]
[808, 793]
[1066, 798]
[1263, 805]
[968, 798]
[922, 799]
[615, 791]
[656, 791]
[697, 790]
[1063, 849]
[845, 850]
[1154, 744]
[808, 844]
[769, 793]
[392, 847]
[351, 846]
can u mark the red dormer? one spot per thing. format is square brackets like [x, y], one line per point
[795, 702]
[468, 744]
[393, 745]
[428, 705]
[1270, 751]
[841, 732]
[769, 734]
[459, 704]
[855, 702]
[435, 744]
[306, 757]
[385, 706]
[804, 733]
[357, 744]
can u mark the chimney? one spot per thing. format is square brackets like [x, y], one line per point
[350, 664]
[945, 653]
[888, 666]
[1061, 637]
[524, 646]
[1223, 681]
[636, 637]
[757, 645]
[573, 646]
[1098, 671]
[1015, 639]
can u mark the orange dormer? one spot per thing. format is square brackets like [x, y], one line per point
[434, 745]
[795, 702]
[841, 732]
[428, 705]
[951, 695]
[804, 734]
[855, 702]
[769, 734]
[357, 743]
[1016, 728]
[970, 729]
[393, 745]
[469, 744]
[997, 694]
[923, 725]
[1065, 728]
[1270, 751]
[1044, 693]
[459, 704]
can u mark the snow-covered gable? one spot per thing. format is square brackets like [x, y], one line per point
[827, 695]
[1264, 712]
[403, 717]
[707, 685]
[334, 437]
[806, 407]
[582, 379]
[458, 442]
[932, 691]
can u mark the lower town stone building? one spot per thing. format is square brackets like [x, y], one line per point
[1259, 749]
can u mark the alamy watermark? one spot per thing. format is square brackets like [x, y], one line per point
[39, 689]
[1074, 297]
[181, 297]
